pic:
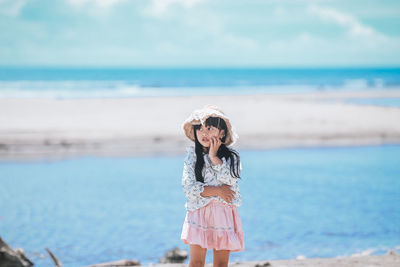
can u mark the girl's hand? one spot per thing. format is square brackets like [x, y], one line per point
[226, 193]
[215, 143]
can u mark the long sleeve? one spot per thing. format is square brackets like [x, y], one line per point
[223, 172]
[213, 176]
[191, 186]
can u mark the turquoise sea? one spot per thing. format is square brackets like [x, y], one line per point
[316, 202]
[64, 83]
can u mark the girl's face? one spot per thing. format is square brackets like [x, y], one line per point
[205, 133]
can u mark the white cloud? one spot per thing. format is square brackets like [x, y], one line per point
[352, 24]
[98, 3]
[307, 49]
[158, 8]
[11, 7]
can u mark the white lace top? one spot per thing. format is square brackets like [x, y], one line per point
[214, 175]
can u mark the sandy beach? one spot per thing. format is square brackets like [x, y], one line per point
[35, 128]
[388, 260]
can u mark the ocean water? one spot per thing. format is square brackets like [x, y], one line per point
[383, 102]
[315, 202]
[64, 83]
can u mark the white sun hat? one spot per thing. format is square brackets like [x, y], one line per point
[199, 116]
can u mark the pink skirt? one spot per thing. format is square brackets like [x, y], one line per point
[215, 226]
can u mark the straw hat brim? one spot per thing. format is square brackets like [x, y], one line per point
[199, 116]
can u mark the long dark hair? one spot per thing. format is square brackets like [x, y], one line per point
[223, 151]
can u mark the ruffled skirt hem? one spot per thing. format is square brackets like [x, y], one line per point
[214, 226]
[214, 240]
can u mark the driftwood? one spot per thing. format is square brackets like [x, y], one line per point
[56, 261]
[116, 263]
[12, 258]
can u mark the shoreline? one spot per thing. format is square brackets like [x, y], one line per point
[55, 152]
[390, 259]
[38, 128]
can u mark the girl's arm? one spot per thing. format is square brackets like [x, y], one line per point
[223, 191]
[191, 187]
[215, 160]
[221, 166]
[223, 171]
[194, 189]
[210, 191]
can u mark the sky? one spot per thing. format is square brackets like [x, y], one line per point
[200, 33]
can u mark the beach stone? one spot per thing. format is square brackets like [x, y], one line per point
[392, 252]
[21, 253]
[116, 263]
[12, 258]
[262, 264]
[175, 255]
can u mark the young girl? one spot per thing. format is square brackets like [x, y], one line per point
[210, 182]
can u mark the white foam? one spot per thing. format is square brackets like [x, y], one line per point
[355, 84]
[124, 89]
[68, 89]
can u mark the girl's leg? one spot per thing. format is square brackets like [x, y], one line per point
[197, 256]
[221, 258]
